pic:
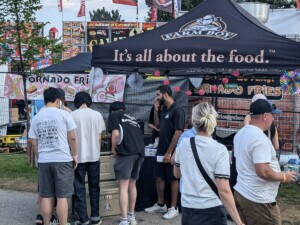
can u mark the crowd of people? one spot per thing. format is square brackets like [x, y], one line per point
[68, 146]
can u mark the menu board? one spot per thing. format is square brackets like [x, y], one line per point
[103, 32]
[73, 39]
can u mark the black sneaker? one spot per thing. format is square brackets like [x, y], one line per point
[39, 220]
[96, 222]
[54, 220]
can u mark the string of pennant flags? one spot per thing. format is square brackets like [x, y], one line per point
[163, 5]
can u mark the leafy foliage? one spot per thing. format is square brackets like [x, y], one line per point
[21, 39]
[104, 15]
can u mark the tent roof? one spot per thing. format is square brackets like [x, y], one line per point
[78, 64]
[192, 42]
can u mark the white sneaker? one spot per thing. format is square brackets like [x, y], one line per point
[132, 220]
[172, 213]
[156, 209]
[123, 223]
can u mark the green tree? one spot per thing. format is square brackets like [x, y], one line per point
[104, 15]
[19, 32]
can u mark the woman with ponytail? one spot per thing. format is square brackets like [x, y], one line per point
[203, 198]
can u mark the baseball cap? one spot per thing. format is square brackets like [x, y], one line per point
[258, 96]
[261, 106]
[61, 93]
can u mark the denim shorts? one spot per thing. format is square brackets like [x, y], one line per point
[128, 166]
[56, 179]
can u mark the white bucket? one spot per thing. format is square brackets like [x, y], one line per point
[286, 156]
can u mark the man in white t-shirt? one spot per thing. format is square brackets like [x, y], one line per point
[90, 125]
[258, 169]
[53, 136]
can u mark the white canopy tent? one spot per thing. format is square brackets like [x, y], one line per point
[285, 22]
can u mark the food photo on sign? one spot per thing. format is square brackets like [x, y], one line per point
[106, 89]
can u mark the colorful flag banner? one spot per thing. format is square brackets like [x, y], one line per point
[153, 14]
[82, 9]
[60, 6]
[126, 2]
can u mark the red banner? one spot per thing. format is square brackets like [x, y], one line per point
[125, 2]
[82, 9]
[153, 14]
[60, 6]
[298, 4]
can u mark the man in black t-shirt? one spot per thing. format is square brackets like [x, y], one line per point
[172, 122]
[127, 144]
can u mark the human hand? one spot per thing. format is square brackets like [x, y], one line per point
[167, 157]
[156, 106]
[289, 176]
[75, 161]
[114, 153]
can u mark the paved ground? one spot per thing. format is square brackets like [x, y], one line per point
[19, 208]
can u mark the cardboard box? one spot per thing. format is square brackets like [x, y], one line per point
[109, 199]
[14, 112]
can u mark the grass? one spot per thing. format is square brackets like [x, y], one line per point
[16, 173]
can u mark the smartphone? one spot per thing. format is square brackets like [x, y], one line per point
[60, 104]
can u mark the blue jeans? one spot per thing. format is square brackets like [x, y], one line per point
[210, 216]
[92, 169]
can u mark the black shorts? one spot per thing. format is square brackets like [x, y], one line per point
[128, 166]
[164, 171]
[56, 179]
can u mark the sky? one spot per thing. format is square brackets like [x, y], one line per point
[50, 13]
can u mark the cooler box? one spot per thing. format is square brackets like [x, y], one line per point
[109, 199]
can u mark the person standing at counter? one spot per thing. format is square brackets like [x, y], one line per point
[53, 137]
[172, 123]
[90, 125]
[127, 145]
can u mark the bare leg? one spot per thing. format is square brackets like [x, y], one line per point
[174, 193]
[123, 200]
[132, 195]
[46, 209]
[160, 187]
[62, 210]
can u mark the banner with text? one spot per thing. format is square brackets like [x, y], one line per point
[106, 89]
[241, 87]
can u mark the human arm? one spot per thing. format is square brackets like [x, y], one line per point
[176, 160]
[176, 171]
[73, 146]
[114, 141]
[152, 126]
[34, 146]
[226, 198]
[156, 115]
[172, 146]
[264, 171]
[275, 139]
